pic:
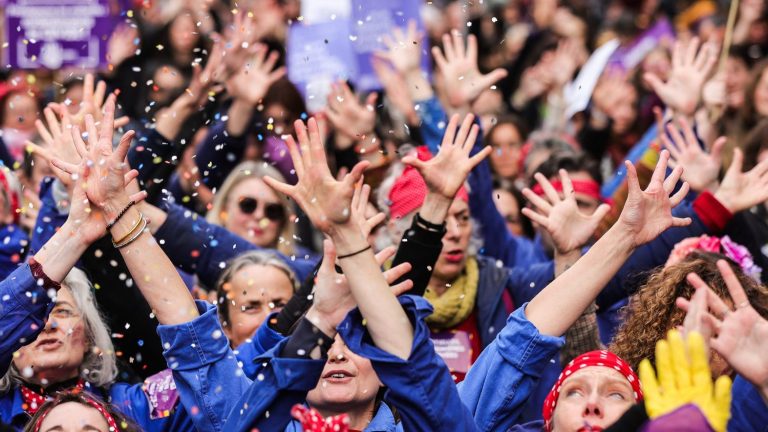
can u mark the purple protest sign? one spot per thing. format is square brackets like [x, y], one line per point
[371, 19]
[55, 33]
[318, 55]
[629, 56]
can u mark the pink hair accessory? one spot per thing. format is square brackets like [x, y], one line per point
[722, 245]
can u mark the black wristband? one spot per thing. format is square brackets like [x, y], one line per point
[350, 255]
[121, 214]
[297, 305]
[429, 225]
[307, 342]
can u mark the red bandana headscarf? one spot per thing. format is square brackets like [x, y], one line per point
[34, 400]
[111, 423]
[601, 358]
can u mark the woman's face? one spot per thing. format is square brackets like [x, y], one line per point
[59, 350]
[505, 158]
[761, 95]
[20, 112]
[253, 293]
[74, 417]
[592, 399]
[280, 119]
[736, 80]
[254, 212]
[453, 257]
[506, 204]
[183, 34]
[624, 112]
[347, 382]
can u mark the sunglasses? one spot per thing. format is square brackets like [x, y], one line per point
[272, 211]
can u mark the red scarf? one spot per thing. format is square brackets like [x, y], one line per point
[312, 421]
[34, 400]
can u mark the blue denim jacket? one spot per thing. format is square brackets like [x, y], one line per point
[214, 381]
[507, 372]
[24, 307]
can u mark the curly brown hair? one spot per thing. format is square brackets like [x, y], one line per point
[651, 312]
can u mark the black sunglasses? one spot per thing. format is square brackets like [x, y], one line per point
[272, 211]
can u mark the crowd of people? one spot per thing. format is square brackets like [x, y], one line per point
[186, 246]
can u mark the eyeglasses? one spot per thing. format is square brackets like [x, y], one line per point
[272, 211]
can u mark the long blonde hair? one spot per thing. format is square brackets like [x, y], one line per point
[244, 171]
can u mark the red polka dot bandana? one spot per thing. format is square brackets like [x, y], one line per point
[84, 398]
[312, 421]
[601, 358]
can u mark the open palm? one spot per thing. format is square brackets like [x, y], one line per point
[326, 201]
[700, 169]
[570, 228]
[743, 190]
[445, 173]
[647, 213]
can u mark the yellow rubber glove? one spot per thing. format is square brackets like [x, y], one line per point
[682, 381]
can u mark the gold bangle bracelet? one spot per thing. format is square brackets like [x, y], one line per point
[138, 222]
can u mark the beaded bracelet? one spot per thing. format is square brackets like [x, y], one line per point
[121, 214]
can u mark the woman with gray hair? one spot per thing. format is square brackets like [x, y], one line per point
[52, 337]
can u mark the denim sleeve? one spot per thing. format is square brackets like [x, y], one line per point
[218, 154]
[280, 384]
[421, 387]
[433, 122]
[49, 218]
[151, 149]
[205, 370]
[749, 413]
[262, 341]
[525, 282]
[24, 307]
[197, 246]
[506, 373]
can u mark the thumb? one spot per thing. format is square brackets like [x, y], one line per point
[491, 78]
[414, 161]
[370, 101]
[329, 257]
[717, 148]
[654, 81]
[737, 162]
[601, 212]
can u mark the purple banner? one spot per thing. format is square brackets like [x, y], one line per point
[57, 33]
[371, 19]
[318, 55]
[630, 55]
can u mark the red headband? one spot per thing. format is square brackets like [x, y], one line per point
[601, 358]
[590, 188]
[408, 192]
[93, 404]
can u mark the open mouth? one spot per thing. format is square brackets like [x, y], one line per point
[49, 344]
[338, 377]
[454, 255]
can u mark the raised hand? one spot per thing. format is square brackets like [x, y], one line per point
[700, 169]
[325, 200]
[741, 331]
[396, 89]
[107, 169]
[92, 104]
[121, 44]
[58, 142]
[349, 117]
[684, 377]
[743, 190]
[403, 49]
[332, 296]
[565, 62]
[359, 207]
[204, 80]
[560, 216]
[446, 172]
[690, 68]
[462, 79]
[251, 81]
[647, 213]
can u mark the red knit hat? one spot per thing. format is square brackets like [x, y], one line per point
[601, 358]
[408, 193]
